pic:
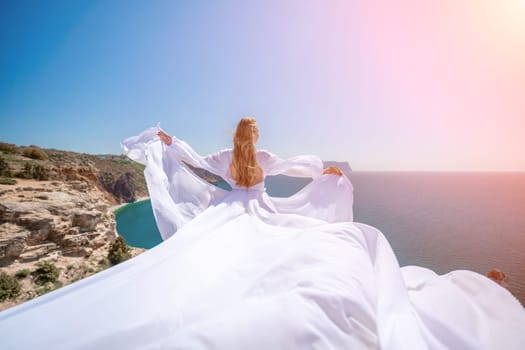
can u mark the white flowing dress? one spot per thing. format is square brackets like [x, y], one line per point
[242, 270]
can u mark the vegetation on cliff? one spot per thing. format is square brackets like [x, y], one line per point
[118, 251]
[56, 220]
[9, 286]
[119, 176]
[46, 272]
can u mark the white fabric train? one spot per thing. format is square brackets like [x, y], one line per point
[242, 270]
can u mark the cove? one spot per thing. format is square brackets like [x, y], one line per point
[136, 223]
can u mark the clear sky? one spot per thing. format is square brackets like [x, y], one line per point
[384, 85]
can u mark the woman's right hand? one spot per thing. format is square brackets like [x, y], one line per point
[165, 137]
[333, 170]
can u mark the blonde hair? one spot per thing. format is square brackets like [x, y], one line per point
[244, 156]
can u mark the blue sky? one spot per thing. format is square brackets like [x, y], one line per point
[341, 79]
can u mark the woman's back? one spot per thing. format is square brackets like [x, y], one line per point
[258, 178]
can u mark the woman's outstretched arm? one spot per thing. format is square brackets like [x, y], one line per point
[299, 166]
[216, 163]
[167, 139]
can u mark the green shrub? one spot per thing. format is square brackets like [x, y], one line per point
[22, 273]
[40, 172]
[5, 170]
[9, 286]
[103, 264]
[27, 171]
[34, 171]
[8, 147]
[100, 268]
[46, 272]
[118, 251]
[7, 181]
[87, 269]
[34, 152]
[48, 287]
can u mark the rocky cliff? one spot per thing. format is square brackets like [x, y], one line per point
[57, 207]
[121, 179]
[70, 224]
[38, 218]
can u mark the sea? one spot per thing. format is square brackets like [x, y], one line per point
[444, 221]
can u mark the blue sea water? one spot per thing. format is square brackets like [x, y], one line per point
[441, 220]
[136, 223]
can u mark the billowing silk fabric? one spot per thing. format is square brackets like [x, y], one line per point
[242, 270]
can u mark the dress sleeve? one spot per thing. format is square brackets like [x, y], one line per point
[299, 166]
[177, 195]
[216, 163]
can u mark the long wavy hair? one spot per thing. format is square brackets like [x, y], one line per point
[244, 156]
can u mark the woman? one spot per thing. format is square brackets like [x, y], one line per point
[244, 154]
[242, 168]
[242, 270]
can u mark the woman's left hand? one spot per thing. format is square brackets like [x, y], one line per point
[333, 170]
[165, 137]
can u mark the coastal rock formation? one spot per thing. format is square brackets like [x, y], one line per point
[56, 207]
[52, 217]
[120, 178]
[68, 223]
[121, 188]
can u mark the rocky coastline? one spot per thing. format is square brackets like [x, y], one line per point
[65, 219]
[70, 224]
